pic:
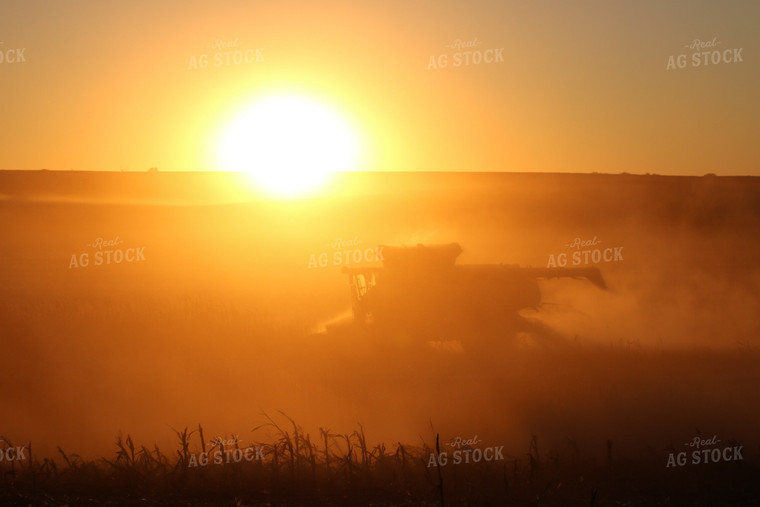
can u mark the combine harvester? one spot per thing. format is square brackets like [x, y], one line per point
[421, 295]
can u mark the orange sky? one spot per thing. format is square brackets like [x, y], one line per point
[583, 86]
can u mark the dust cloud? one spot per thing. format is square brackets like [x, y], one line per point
[230, 309]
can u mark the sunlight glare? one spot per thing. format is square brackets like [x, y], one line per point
[288, 145]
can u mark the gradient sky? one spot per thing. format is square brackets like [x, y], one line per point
[583, 86]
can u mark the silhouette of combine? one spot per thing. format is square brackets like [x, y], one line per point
[421, 292]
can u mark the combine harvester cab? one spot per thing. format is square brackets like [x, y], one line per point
[420, 293]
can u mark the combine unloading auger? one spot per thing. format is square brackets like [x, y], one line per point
[421, 291]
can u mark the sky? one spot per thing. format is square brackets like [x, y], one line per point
[583, 86]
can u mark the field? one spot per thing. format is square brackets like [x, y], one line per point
[343, 469]
[226, 316]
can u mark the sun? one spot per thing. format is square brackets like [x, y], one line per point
[289, 145]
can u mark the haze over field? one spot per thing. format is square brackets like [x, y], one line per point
[214, 318]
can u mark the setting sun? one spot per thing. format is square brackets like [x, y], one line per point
[289, 145]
